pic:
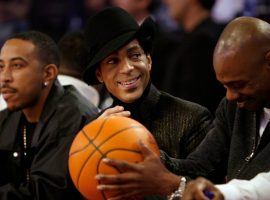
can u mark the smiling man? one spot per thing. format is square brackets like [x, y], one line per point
[119, 57]
[238, 145]
[40, 121]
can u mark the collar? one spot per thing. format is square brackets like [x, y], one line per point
[12, 119]
[142, 108]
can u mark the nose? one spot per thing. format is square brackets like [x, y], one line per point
[5, 75]
[126, 66]
[232, 95]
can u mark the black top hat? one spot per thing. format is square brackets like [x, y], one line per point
[108, 31]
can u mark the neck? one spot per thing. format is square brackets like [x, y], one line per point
[194, 17]
[33, 112]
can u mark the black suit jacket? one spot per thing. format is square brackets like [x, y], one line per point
[64, 113]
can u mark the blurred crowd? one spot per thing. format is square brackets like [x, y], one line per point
[182, 53]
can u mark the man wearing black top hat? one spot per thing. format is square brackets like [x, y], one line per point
[119, 57]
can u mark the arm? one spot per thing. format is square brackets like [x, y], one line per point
[254, 189]
[201, 189]
[211, 156]
[146, 178]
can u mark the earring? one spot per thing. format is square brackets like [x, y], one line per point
[46, 84]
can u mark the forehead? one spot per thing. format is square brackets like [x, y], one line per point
[17, 48]
[235, 65]
[134, 44]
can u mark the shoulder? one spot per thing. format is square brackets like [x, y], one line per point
[183, 110]
[185, 106]
[73, 103]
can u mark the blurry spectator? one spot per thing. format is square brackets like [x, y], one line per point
[13, 17]
[72, 64]
[52, 17]
[91, 7]
[226, 10]
[190, 75]
[262, 10]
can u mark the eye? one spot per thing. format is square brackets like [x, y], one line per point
[1, 67]
[17, 65]
[135, 56]
[112, 61]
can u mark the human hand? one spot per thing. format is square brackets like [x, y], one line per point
[201, 189]
[138, 179]
[115, 111]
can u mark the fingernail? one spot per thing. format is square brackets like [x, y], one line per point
[106, 160]
[100, 187]
[98, 177]
[120, 107]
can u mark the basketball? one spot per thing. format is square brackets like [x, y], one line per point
[111, 137]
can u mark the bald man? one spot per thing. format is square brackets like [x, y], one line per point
[238, 145]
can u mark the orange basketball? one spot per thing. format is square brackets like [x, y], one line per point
[110, 137]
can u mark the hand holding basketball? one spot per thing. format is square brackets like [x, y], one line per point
[111, 137]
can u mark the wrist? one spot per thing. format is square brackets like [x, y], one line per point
[178, 193]
[171, 183]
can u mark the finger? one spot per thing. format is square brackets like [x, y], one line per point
[145, 150]
[116, 179]
[113, 110]
[122, 114]
[121, 165]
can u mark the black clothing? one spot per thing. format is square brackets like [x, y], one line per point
[230, 148]
[64, 113]
[177, 125]
[190, 73]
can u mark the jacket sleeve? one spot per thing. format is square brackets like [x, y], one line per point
[254, 189]
[211, 156]
[49, 177]
[202, 123]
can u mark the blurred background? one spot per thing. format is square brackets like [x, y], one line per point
[176, 44]
[57, 17]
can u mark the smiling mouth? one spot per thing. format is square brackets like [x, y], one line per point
[129, 83]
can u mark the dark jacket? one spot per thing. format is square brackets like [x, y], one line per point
[230, 148]
[190, 74]
[64, 114]
[177, 125]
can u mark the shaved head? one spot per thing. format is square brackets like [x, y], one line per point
[244, 35]
[242, 61]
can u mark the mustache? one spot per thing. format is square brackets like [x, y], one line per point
[5, 87]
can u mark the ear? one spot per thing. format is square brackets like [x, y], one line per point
[99, 75]
[50, 73]
[149, 60]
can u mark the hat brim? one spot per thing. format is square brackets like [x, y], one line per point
[89, 75]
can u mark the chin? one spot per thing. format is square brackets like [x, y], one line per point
[253, 106]
[130, 98]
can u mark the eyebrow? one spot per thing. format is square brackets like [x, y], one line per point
[132, 48]
[16, 58]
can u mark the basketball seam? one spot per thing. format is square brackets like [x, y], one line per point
[98, 132]
[106, 153]
[102, 156]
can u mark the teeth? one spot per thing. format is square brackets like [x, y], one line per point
[128, 82]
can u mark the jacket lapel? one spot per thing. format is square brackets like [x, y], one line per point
[49, 109]
[10, 131]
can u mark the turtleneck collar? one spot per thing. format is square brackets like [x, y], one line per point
[134, 106]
